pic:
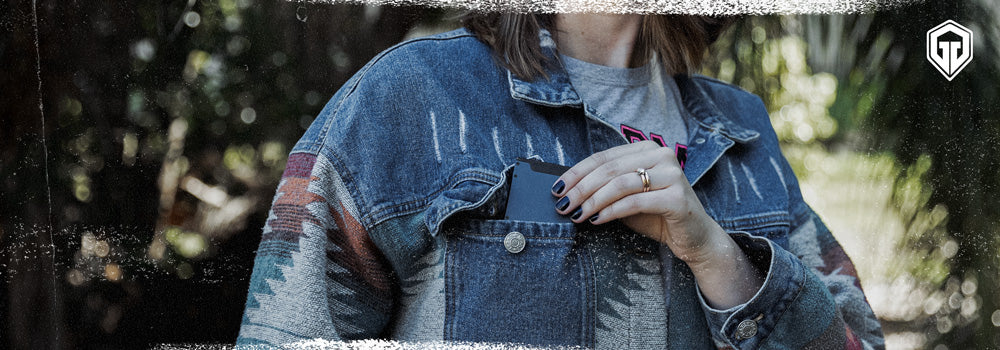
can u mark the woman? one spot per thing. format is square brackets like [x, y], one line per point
[389, 221]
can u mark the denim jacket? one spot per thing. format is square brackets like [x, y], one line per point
[388, 222]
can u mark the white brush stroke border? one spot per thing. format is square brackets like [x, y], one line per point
[689, 7]
[320, 344]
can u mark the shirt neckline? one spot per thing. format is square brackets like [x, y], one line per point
[605, 75]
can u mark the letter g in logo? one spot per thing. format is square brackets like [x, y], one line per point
[949, 48]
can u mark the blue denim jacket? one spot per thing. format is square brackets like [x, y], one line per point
[387, 222]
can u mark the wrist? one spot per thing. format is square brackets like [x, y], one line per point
[717, 249]
[724, 273]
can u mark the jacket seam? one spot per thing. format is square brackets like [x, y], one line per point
[347, 178]
[337, 109]
[480, 235]
[799, 217]
[381, 55]
[422, 203]
[767, 215]
[449, 288]
[449, 185]
[367, 67]
[729, 226]
[754, 227]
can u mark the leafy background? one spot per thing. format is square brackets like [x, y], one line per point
[141, 143]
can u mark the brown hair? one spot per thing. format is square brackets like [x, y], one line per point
[678, 40]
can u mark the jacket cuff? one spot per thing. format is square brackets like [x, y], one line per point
[745, 325]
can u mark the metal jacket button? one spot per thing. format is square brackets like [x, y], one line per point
[746, 329]
[514, 242]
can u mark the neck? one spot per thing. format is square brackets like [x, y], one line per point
[603, 39]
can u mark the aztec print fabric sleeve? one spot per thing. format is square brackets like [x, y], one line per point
[811, 297]
[317, 274]
[820, 252]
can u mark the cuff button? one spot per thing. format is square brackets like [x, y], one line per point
[746, 329]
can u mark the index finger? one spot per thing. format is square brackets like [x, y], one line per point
[584, 167]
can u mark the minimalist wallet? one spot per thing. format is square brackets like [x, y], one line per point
[530, 197]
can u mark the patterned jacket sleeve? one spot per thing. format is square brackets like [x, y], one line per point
[811, 297]
[818, 250]
[317, 273]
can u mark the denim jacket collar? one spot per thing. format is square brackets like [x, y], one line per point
[557, 91]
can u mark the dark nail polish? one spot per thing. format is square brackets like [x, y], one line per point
[558, 187]
[563, 203]
[577, 213]
[592, 218]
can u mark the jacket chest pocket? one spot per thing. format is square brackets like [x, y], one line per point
[516, 281]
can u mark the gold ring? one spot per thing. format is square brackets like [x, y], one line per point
[644, 177]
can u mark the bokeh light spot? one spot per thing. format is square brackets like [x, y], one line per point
[101, 248]
[75, 277]
[248, 115]
[112, 272]
[192, 19]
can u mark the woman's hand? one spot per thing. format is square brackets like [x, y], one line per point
[607, 186]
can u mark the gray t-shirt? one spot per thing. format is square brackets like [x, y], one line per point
[643, 103]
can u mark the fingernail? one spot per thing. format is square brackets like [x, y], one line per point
[558, 187]
[592, 218]
[577, 213]
[562, 204]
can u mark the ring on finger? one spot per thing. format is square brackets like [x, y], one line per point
[644, 177]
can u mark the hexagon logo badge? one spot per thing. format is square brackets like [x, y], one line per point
[949, 48]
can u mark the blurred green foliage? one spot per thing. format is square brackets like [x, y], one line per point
[166, 130]
[855, 102]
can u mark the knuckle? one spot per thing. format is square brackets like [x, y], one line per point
[577, 191]
[573, 172]
[600, 157]
[621, 184]
[611, 168]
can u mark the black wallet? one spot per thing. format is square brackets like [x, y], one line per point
[530, 197]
